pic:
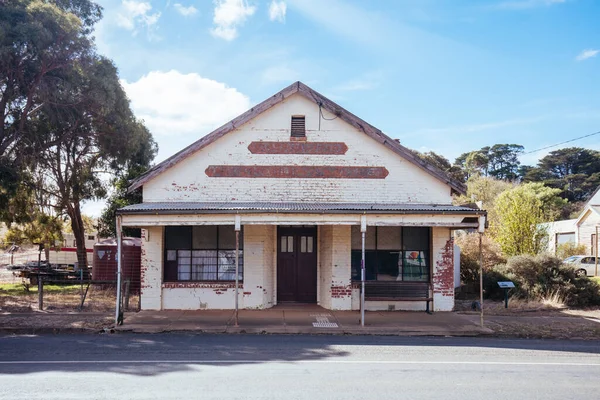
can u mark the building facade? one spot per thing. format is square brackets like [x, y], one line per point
[582, 230]
[304, 179]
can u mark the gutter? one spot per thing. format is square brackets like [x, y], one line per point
[255, 211]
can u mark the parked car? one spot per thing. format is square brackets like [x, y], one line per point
[584, 265]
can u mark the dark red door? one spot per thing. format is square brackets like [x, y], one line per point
[297, 264]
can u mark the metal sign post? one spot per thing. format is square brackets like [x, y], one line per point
[596, 253]
[363, 231]
[506, 286]
[481, 230]
[119, 269]
[237, 265]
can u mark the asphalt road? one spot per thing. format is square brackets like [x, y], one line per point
[178, 366]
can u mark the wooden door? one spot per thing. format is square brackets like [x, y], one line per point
[297, 264]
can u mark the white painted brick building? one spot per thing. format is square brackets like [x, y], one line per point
[303, 177]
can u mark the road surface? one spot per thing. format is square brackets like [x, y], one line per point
[184, 366]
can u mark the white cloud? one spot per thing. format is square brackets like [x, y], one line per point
[526, 4]
[228, 16]
[134, 14]
[588, 53]
[185, 11]
[277, 11]
[175, 104]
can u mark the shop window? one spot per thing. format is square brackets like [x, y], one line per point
[392, 253]
[201, 253]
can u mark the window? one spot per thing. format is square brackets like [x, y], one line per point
[392, 253]
[91, 237]
[201, 253]
[298, 126]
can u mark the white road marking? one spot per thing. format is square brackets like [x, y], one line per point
[33, 362]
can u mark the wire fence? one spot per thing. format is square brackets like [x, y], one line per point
[29, 285]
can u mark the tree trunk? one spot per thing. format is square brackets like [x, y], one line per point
[74, 212]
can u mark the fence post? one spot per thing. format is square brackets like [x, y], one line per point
[127, 287]
[40, 293]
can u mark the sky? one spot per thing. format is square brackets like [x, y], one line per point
[448, 76]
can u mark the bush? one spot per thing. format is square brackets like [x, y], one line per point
[570, 249]
[469, 256]
[543, 276]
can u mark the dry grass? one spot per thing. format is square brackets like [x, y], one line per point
[14, 298]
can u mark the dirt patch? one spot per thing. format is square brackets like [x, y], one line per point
[19, 311]
[16, 298]
[59, 322]
[537, 320]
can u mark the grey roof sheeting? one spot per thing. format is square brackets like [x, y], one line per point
[267, 207]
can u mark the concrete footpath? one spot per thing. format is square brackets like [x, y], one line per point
[312, 320]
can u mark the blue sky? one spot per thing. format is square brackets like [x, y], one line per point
[444, 75]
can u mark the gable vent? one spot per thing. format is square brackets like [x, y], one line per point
[298, 126]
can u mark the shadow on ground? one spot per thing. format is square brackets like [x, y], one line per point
[149, 355]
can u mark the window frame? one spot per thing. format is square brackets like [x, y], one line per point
[218, 250]
[375, 256]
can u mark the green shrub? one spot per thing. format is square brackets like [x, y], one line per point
[570, 249]
[469, 256]
[541, 276]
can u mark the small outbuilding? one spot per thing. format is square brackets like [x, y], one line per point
[104, 266]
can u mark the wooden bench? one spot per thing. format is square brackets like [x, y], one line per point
[398, 291]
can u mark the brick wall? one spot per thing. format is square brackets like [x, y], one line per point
[187, 181]
[151, 268]
[335, 272]
[443, 270]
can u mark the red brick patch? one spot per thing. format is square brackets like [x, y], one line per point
[296, 171]
[443, 278]
[200, 285]
[332, 148]
[341, 291]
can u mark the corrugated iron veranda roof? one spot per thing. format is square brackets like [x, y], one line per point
[267, 207]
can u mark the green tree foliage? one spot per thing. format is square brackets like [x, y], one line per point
[94, 133]
[42, 228]
[501, 161]
[442, 163]
[519, 212]
[66, 116]
[485, 190]
[89, 225]
[575, 171]
[569, 249]
[504, 161]
[469, 256]
[39, 41]
[119, 199]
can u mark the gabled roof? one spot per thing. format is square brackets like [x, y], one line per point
[322, 101]
[592, 205]
[594, 199]
[589, 209]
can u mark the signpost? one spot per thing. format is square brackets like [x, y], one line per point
[506, 286]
